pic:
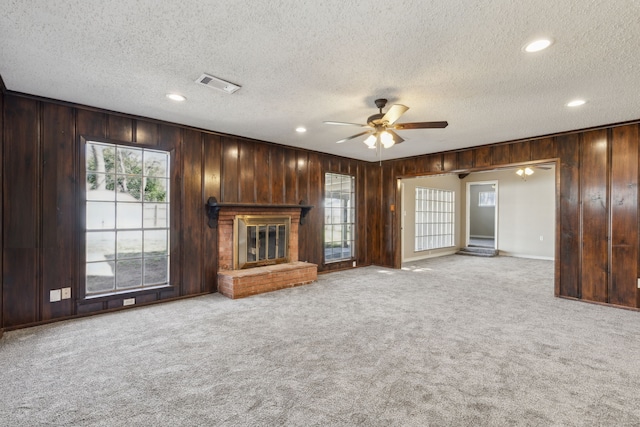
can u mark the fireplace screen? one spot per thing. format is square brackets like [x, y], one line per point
[260, 240]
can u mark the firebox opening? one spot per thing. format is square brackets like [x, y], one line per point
[260, 240]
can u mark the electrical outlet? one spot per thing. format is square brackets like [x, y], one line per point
[638, 283]
[541, 238]
[66, 293]
[354, 263]
[128, 301]
[55, 295]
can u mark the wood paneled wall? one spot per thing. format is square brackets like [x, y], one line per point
[597, 215]
[43, 230]
[597, 236]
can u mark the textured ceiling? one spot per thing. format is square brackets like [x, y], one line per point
[302, 62]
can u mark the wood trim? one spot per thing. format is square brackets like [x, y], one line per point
[558, 236]
[2, 112]
[397, 216]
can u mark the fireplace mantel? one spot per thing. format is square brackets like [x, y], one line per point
[214, 207]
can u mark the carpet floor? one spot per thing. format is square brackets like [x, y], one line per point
[451, 341]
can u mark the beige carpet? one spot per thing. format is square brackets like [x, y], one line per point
[453, 341]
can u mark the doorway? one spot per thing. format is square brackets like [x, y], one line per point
[482, 214]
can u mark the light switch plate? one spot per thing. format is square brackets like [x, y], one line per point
[55, 295]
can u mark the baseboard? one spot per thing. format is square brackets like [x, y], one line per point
[477, 236]
[545, 258]
[431, 255]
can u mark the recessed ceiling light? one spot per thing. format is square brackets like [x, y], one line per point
[176, 97]
[301, 129]
[576, 103]
[537, 45]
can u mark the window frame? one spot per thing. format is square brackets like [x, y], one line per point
[83, 295]
[349, 224]
[486, 201]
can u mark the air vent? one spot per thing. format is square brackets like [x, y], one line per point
[216, 83]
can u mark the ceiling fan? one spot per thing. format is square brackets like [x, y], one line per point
[382, 126]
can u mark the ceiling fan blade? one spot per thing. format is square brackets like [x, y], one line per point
[394, 113]
[421, 125]
[354, 136]
[397, 139]
[343, 124]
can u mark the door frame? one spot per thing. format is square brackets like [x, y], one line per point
[468, 211]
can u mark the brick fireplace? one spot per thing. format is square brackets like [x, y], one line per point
[237, 283]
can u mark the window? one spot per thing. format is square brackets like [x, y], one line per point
[434, 218]
[127, 218]
[487, 198]
[339, 217]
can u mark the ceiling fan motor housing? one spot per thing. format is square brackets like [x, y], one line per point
[375, 120]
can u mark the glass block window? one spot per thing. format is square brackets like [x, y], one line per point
[434, 218]
[127, 218]
[339, 217]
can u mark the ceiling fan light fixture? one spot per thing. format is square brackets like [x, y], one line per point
[524, 172]
[387, 139]
[371, 141]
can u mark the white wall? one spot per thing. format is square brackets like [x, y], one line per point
[526, 212]
[443, 182]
